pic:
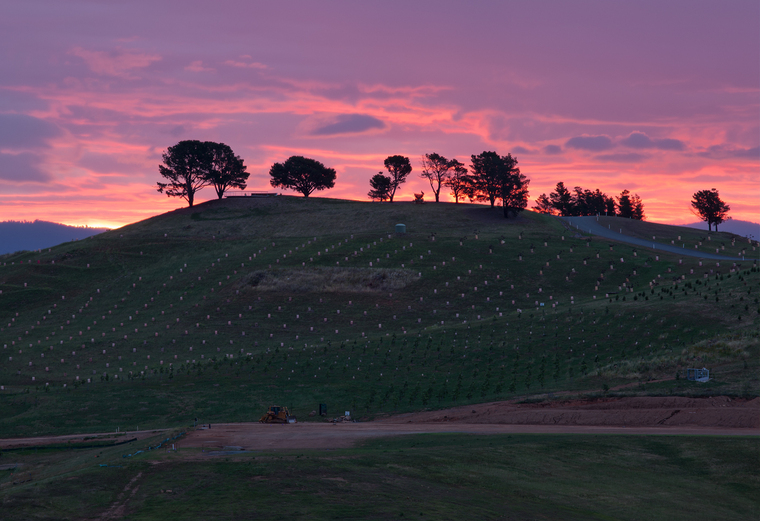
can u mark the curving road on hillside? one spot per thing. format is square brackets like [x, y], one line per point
[590, 225]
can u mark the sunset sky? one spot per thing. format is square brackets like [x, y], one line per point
[660, 97]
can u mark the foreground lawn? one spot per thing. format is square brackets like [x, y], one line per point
[420, 477]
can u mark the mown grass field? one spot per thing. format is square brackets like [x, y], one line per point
[216, 312]
[445, 476]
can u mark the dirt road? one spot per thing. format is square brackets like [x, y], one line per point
[254, 436]
[636, 415]
[84, 439]
[645, 415]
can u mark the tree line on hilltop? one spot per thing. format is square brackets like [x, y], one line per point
[192, 165]
[490, 178]
[580, 202]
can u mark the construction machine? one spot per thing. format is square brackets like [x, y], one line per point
[277, 414]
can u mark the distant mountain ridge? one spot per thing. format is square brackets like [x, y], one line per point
[743, 228]
[25, 235]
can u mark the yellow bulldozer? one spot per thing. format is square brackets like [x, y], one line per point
[277, 414]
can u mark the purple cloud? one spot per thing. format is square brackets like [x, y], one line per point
[23, 168]
[552, 149]
[593, 143]
[522, 150]
[751, 153]
[348, 124]
[729, 151]
[18, 131]
[641, 140]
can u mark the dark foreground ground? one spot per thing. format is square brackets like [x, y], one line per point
[420, 476]
[631, 458]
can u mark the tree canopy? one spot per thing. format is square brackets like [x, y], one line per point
[709, 207]
[630, 206]
[562, 199]
[185, 166]
[484, 181]
[381, 186]
[580, 201]
[458, 180]
[436, 169]
[493, 177]
[226, 170]
[399, 167]
[302, 174]
[191, 165]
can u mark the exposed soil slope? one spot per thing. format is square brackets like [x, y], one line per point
[721, 412]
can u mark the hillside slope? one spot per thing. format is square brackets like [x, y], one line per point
[220, 310]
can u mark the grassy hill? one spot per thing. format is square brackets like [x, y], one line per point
[217, 311]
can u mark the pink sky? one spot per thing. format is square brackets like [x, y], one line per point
[661, 98]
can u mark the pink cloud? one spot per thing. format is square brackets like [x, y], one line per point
[197, 66]
[245, 64]
[115, 63]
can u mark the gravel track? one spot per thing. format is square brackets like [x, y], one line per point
[590, 225]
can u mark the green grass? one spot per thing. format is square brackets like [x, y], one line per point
[443, 476]
[209, 312]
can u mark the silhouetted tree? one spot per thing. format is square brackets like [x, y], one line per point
[514, 186]
[637, 208]
[495, 177]
[609, 204]
[624, 206]
[630, 206]
[436, 169]
[587, 202]
[185, 166]
[458, 180]
[578, 202]
[381, 186]
[227, 170]
[562, 199]
[484, 180]
[399, 167]
[709, 207]
[302, 174]
[544, 205]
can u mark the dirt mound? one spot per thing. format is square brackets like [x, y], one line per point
[645, 411]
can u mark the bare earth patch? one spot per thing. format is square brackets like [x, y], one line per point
[644, 415]
[645, 411]
[329, 280]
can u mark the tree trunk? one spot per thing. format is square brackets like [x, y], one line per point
[436, 194]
